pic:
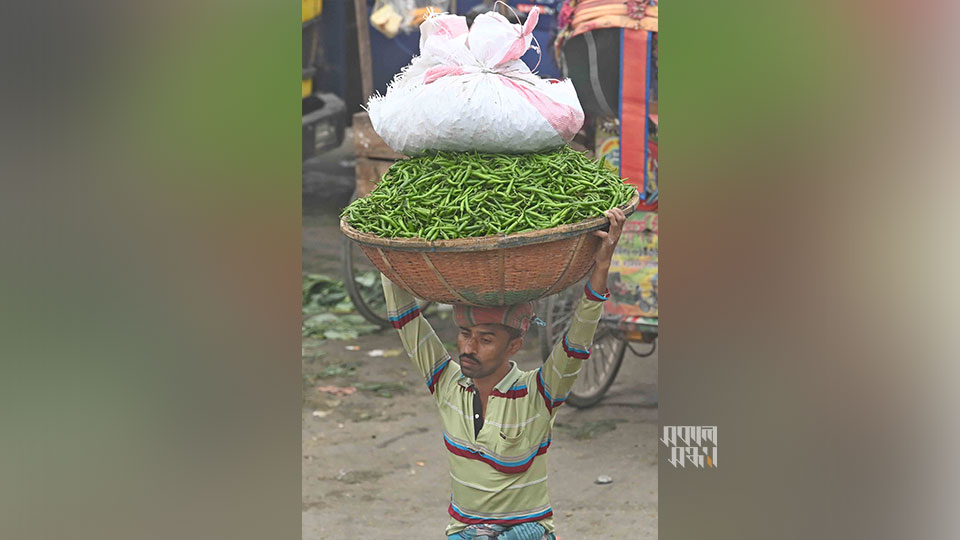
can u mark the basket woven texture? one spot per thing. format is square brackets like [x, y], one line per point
[491, 270]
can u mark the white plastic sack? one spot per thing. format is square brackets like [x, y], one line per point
[469, 91]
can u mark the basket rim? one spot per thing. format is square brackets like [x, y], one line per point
[486, 243]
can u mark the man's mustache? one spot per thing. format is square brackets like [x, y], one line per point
[470, 357]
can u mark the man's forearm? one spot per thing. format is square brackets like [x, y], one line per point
[598, 278]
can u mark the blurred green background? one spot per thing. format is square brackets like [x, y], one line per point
[151, 275]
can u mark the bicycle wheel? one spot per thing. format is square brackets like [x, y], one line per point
[600, 370]
[362, 280]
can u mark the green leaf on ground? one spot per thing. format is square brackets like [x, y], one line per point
[367, 279]
[334, 333]
[385, 389]
[338, 370]
[327, 310]
[343, 306]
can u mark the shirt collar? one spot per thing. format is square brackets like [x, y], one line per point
[505, 383]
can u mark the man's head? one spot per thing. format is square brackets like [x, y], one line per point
[485, 348]
[490, 336]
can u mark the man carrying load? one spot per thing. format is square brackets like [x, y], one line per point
[498, 420]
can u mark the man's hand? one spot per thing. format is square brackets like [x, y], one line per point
[608, 240]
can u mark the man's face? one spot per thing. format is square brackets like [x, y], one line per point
[484, 349]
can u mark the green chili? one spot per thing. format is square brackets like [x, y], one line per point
[464, 194]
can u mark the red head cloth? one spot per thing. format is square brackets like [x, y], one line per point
[515, 316]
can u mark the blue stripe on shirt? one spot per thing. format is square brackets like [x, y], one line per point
[405, 313]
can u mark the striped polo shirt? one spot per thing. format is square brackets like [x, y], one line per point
[500, 475]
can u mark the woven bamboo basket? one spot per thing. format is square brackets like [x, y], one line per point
[491, 270]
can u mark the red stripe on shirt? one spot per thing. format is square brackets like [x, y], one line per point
[398, 324]
[432, 385]
[591, 296]
[543, 393]
[510, 394]
[574, 354]
[508, 469]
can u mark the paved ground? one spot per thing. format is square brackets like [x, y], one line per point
[373, 461]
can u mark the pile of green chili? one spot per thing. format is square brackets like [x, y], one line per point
[467, 194]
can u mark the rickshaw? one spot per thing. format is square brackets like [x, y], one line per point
[609, 50]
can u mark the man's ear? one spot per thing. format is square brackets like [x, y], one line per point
[514, 346]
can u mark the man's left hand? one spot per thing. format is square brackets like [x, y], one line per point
[609, 239]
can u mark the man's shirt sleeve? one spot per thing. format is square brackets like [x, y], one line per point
[418, 337]
[557, 375]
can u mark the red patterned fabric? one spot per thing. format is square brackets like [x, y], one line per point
[516, 316]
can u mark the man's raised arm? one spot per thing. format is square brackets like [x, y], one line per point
[557, 375]
[418, 337]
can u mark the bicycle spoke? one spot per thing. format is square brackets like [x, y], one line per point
[597, 363]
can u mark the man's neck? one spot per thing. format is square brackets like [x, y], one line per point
[486, 384]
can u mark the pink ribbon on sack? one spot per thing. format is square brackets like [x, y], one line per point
[520, 45]
[564, 119]
[435, 73]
